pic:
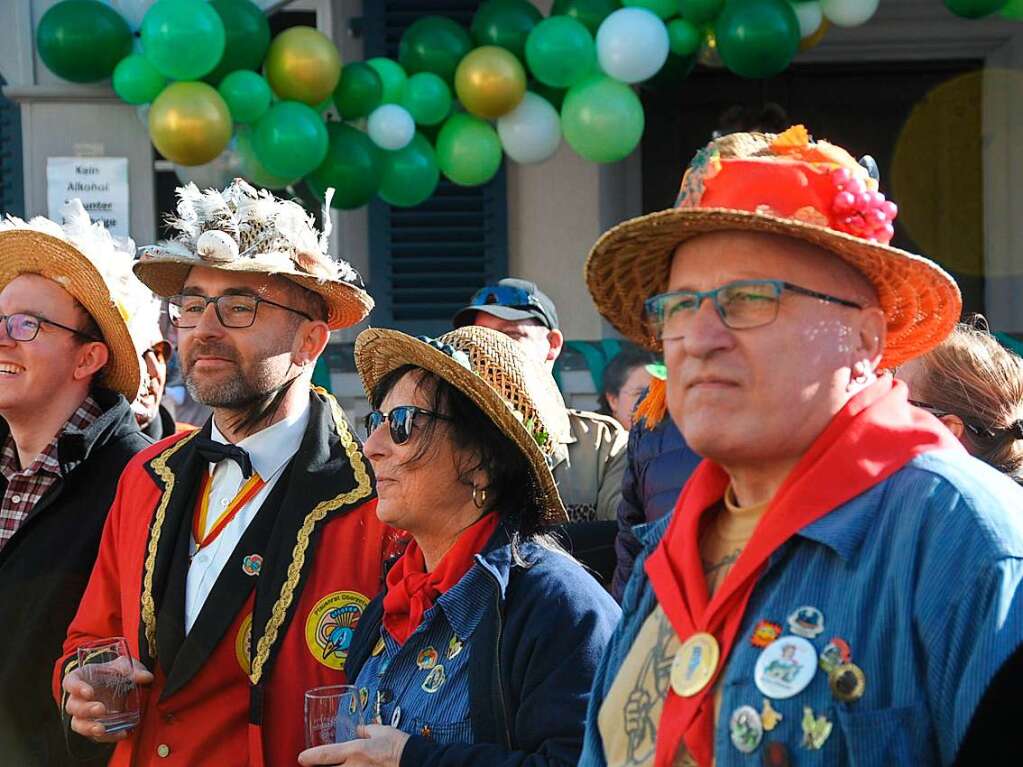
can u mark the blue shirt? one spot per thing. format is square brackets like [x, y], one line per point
[919, 576]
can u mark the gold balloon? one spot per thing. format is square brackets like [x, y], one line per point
[811, 41]
[190, 123]
[490, 82]
[303, 65]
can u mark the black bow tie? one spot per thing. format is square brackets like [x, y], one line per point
[215, 452]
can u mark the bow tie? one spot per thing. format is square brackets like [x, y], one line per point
[215, 452]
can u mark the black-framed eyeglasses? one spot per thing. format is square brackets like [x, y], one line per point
[233, 311]
[741, 305]
[975, 429]
[25, 327]
[400, 420]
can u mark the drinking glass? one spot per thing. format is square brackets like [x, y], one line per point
[332, 715]
[106, 665]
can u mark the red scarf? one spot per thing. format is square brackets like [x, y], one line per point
[872, 437]
[411, 590]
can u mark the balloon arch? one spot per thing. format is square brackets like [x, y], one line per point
[221, 99]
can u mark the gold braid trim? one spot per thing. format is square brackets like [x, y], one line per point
[159, 465]
[363, 488]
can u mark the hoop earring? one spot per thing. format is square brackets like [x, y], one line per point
[479, 497]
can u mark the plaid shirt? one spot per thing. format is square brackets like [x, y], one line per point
[26, 487]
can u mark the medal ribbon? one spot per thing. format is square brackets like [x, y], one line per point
[872, 437]
[247, 492]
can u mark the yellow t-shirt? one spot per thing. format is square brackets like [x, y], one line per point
[631, 712]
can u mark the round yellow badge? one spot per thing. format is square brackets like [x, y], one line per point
[331, 624]
[243, 645]
[694, 664]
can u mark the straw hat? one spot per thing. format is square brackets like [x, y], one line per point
[92, 266]
[242, 230]
[786, 185]
[518, 395]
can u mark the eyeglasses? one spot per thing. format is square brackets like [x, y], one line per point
[400, 420]
[233, 311]
[978, 431]
[25, 327]
[741, 305]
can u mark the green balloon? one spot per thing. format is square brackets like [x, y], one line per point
[183, 39]
[468, 150]
[505, 23]
[560, 52]
[247, 95]
[700, 11]
[591, 13]
[82, 40]
[359, 91]
[974, 9]
[427, 98]
[254, 170]
[553, 95]
[247, 37]
[1013, 10]
[602, 119]
[392, 76]
[684, 37]
[757, 38]
[433, 44]
[290, 139]
[352, 167]
[409, 176]
[136, 80]
[663, 8]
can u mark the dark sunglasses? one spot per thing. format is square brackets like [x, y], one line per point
[400, 420]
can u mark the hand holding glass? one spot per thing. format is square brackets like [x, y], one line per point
[332, 715]
[106, 666]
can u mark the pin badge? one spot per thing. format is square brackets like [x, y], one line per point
[835, 653]
[427, 658]
[816, 729]
[847, 682]
[806, 622]
[363, 698]
[378, 647]
[454, 647]
[775, 754]
[694, 664]
[785, 667]
[425, 731]
[769, 717]
[746, 729]
[764, 633]
[396, 716]
[434, 680]
[252, 564]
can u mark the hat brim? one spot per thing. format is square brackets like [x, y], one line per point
[466, 315]
[379, 352]
[25, 251]
[630, 263]
[347, 304]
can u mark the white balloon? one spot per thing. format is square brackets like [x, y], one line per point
[632, 45]
[810, 17]
[391, 127]
[532, 131]
[848, 13]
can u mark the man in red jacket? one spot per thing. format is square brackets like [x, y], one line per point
[237, 559]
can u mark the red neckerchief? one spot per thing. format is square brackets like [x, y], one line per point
[411, 590]
[872, 437]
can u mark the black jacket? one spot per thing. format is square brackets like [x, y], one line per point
[43, 571]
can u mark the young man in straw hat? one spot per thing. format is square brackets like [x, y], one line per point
[839, 581]
[68, 370]
[238, 558]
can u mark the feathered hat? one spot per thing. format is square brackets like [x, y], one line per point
[242, 230]
[90, 264]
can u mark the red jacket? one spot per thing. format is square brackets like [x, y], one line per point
[231, 692]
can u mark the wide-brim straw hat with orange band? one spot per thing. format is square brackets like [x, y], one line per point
[786, 185]
[93, 267]
[242, 230]
[516, 394]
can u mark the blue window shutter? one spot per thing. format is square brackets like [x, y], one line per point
[12, 188]
[426, 261]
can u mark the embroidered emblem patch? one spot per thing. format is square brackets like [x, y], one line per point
[331, 624]
[243, 645]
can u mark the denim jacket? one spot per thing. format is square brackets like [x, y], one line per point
[920, 576]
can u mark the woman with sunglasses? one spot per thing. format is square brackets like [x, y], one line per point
[483, 645]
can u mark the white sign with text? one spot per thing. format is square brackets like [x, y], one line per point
[101, 183]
